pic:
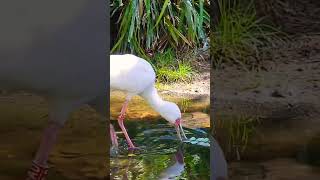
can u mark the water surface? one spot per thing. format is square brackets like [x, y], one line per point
[162, 156]
[81, 150]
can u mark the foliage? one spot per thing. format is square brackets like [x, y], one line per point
[239, 34]
[182, 73]
[238, 132]
[185, 104]
[148, 25]
[170, 69]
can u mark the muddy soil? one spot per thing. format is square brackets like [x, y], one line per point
[285, 96]
[292, 16]
[291, 81]
[199, 87]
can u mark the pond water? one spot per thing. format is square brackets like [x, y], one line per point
[273, 169]
[81, 150]
[161, 155]
[278, 153]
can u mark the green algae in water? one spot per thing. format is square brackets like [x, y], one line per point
[160, 144]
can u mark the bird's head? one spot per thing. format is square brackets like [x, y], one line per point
[171, 112]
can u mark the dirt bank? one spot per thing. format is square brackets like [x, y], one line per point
[292, 16]
[284, 96]
[291, 79]
[199, 87]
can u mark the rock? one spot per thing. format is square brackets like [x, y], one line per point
[277, 94]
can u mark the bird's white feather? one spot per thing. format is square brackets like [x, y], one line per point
[130, 73]
[136, 76]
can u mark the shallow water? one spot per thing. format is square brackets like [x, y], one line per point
[81, 150]
[162, 156]
[278, 152]
[273, 169]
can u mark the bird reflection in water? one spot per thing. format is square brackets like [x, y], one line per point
[177, 168]
[171, 172]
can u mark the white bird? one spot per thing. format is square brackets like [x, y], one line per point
[58, 56]
[135, 76]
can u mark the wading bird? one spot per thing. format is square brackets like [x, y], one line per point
[135, 76]
[60, 56]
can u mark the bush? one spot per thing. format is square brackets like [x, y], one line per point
[156, 25]
[170, 69]
[239, 34]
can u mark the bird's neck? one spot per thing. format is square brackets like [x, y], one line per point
[152, 97]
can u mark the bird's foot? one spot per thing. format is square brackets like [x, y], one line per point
[121, 117]
[37, 172]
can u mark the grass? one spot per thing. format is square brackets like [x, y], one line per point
[162, 86]
[237, 133]
[239, 35]
[185, 104]
[169, 69]
[183, 73]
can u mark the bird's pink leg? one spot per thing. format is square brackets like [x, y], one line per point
[120, 121]
[113, 136]
[39, 168]
[48, 140]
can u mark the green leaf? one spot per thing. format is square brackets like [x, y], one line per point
[165, 5]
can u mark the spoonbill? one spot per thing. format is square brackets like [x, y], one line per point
[59, 56]
[135, 76]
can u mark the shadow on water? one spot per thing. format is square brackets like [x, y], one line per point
[286, 151]
[162, 156]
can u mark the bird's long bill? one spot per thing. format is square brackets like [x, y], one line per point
[181, 135]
